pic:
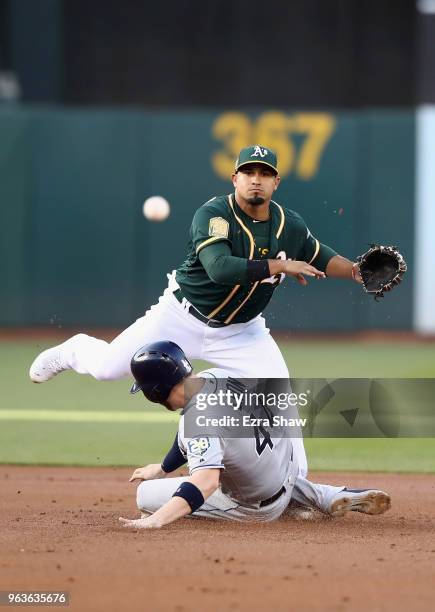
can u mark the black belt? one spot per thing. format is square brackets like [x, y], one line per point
[195, 313]
[267, 502]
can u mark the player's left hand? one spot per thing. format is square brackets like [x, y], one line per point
[141, 523]
[148, 472]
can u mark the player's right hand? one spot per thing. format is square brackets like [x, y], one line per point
[300, 269]
[148, 472]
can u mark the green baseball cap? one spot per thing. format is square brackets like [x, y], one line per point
[256, 154]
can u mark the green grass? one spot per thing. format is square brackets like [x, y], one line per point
[131, 442]
[83, 443]
[360, 360]
[371, 455]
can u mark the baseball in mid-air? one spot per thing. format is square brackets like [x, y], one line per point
[156, 208]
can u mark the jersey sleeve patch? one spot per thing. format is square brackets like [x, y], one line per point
[209, 225]
[204, 452]
[218, 227]
[198, 446]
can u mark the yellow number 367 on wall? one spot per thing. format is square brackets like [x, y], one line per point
[279, 132]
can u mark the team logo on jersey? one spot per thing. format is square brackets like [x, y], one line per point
[258, 151]
[218, 227]
[277, 278]
[198, 446]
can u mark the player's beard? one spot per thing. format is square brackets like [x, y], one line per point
[256, 200]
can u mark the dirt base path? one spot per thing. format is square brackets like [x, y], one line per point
[59, 531]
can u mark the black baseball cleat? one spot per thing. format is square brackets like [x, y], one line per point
[368, 501]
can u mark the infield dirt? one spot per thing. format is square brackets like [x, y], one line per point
[59, 531]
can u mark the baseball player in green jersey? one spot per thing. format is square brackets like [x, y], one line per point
[241, 247]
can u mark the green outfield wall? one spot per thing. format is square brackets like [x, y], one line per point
[76, 250]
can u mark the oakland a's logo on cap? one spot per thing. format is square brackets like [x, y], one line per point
[258, 151]
[256, 154]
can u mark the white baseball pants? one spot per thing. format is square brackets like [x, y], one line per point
[153, 494]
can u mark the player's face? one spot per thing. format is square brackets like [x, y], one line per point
[255, 183]
[179, 395]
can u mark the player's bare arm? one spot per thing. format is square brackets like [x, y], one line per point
[340, 267]
[206, 480]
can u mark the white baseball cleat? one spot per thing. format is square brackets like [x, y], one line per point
[47, 365]
[368, 501]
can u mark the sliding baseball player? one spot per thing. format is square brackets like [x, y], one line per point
[236, 478]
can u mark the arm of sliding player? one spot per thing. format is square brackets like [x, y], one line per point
[189, 497]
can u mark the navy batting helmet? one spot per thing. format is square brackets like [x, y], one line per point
[157, 367]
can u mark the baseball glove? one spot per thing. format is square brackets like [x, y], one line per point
[381, 269]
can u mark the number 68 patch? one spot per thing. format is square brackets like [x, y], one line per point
[198, 446]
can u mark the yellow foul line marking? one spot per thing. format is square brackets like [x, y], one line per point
[80, 416]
